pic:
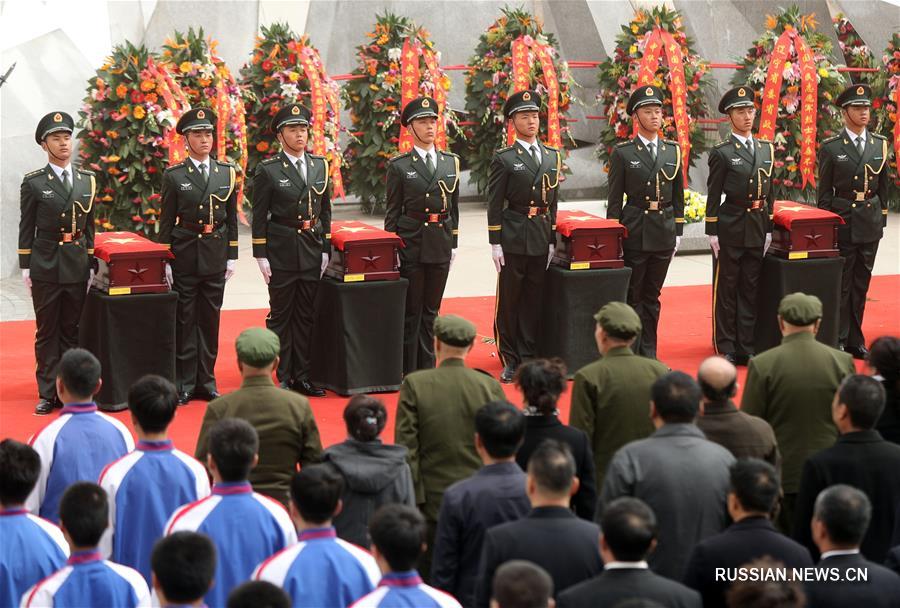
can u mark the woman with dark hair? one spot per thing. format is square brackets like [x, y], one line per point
[374, 473]
[884, 361]
[542, 381]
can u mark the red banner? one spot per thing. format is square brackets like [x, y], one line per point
[520, 69]
[440, 95]
[176, 103]
[409, 87]
[897, 131]
[809, 87]
[521, 73]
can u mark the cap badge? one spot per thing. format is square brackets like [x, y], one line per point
[860, 91]
[57, 117]
[295, 110]
[649, 92]
[742, 92]
[426, 103]
[201, 114]
[526, 96]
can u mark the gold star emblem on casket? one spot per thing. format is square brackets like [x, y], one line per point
[121, 240]
[580, 218]
[813, 238]
[370, 260]
[793, 208]
[596, 248]
[137, 271]
[353, 228]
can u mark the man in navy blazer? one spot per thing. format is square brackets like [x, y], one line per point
[751, 501]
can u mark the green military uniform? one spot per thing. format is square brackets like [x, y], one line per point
[854, 185]
[740, 170]
[56, 246]
[522, 198]
[611, 396]
[284, 421]
[791, 387]
[423, 209]
[198, 221]
[436, 420]
[653, 215]
[292, 230]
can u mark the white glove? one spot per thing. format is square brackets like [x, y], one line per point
[325, 258]
[90, 281]
[397, 258]
[169, 278]
[265, 269]
[229, 268]
[768, 243]
[714, 244]
[550, 250]
[497, 256]
[452, 257]
[677, 245]
[26, 278]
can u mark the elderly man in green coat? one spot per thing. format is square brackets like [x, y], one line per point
[791, 387]
[436, 419]
[611, 396]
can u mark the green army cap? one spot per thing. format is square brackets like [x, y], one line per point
[51, 123]
[619, 320]
[197, 119]
[257, 346]
[855, 95]
[649, 95]
[420, 107]
[454, 330]
[800, 309]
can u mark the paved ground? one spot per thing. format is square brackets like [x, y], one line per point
[472, 273]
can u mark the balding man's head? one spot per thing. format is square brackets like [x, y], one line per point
[717, 378]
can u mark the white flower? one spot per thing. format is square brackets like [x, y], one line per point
[164, 117]
[290, 90]
[395, 53]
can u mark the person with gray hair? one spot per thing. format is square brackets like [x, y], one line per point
[846, 578]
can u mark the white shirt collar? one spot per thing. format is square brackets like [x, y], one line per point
[294, 159]
[197, 163]
[836, 552]
[617, 565]
[528, 146]
[424, 153]
[741, 138]
[58, 170]
[646, 141]
[853, 135]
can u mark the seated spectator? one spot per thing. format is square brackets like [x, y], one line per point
[542, 381]
[766, 591]
[551, 536]
[398, 541]
[743, 435]
[320, 570]
[521, 584]
[183, 567]
[839, 523]
[884, 362]
[493, 495]
[32, 548]
[681, 475]
[258, 594]
[146, 486]
[87, 579]
[246, 527]
[629, 535]
[374, 473]
[860, 458]
[61, 443]
[751, 502]
[283, 420]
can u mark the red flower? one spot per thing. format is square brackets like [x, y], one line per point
[137, 97]
[877, 103]
[267, 66]
[151, 169]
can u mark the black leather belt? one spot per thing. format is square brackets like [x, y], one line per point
[60, 237]
[200, 228]
[530, 211]
[292, 223]
[854, 195]
[429, 218]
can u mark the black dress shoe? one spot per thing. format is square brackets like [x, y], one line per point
[304, 387]
[742, 359]
[858, 352]
[183, 398]
[731, 358]
[44, 407]
[287, 384]
[507, 375]
[206, 395]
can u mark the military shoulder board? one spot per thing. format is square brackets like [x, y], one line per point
[622, 144]
[269, 161]
[723, 142]
[506, 149]
[832, 138]
[877, 136]
[670, 142]
[34, 173]
[397, 157]
[175, 166]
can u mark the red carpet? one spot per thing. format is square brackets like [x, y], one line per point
[685, 335]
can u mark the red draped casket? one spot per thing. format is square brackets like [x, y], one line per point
[130, 263]
[586, 241]
[360, 252]
[801, 231]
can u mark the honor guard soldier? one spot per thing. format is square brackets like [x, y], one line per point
[423, 209]
[198, 221]
[523, 189]
[853, 183]
[739, 212]
[292, 241]
[646, 169]
[56, 249]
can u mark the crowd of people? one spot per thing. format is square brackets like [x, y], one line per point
[659, 491]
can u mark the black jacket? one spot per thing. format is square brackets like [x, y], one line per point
[880, 589]
[554, 538]
[539, 428]
[619, 585]
[742, 542]
[865, 461]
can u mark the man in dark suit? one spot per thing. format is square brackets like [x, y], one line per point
[198, 222]
[423, 209]
[853, 182]
[492, 496]
[646, 169]
[743, 435]
[551, 535]
[629, 535]
[740, 226]
[861, 458]
[845, 577]
[292, 241]
[523, 189]
[755, 487]
[56, 249]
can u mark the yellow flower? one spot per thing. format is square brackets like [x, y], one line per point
[139, 112]
[185, 67]
[634, 29]
[823, 72]
[632, 49]
[293, 76]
